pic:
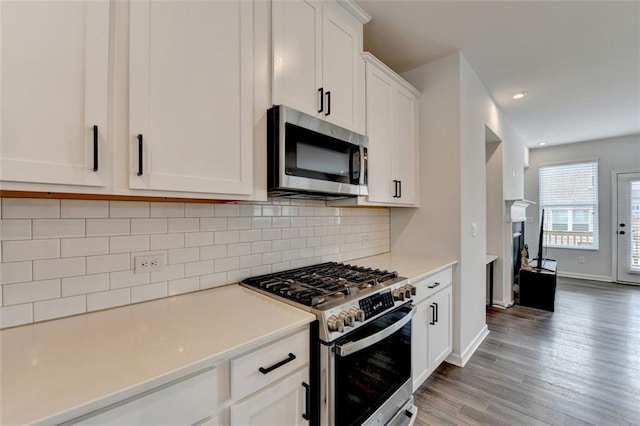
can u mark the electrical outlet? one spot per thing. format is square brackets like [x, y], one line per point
[364, 239]
[581, 259]
[153, 263]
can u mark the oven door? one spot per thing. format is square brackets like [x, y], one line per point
[372, 370]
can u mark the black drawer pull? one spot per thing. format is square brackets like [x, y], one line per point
[433, 314]
[140, 152]
[277, 365]
[434, 285]
[95, 148]
[307, 394]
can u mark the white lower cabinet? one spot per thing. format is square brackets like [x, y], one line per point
[431, 332]
[186, 401]
[283, 403]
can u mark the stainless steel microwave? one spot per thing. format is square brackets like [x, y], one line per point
[311, 158]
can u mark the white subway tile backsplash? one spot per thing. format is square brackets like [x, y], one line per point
[189, 224]
[184, 255]
[58, 268]
[128, 244]
[108, 299]
[227, 237]
[73, 247]
[250, 235]
[108, 227]
[128, 278]
[124, 209]
[213, 224]
[11, 316]
[167, 241]
[198, 210]
[13, 251]
[108, 263]
[56, 308]
[15, 229]
[227, 264]
[213, 252]
[148, 292]
[79, 254]
[82, 209]
[227, 210]
[85, 284]
[30, 208]
[213, 280]
[167, 209]
[204, 267]
[58, 228]
[184, 285]
[15, 272]
[33, 291]
[196, 239]
[148, 226]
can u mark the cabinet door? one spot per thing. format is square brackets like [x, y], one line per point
[440, 333]
[191, 96]
[283, 403]
[405, 150]
[420, 344]
[54, 63]
[342, 66]
[379, 89]
[297, 54]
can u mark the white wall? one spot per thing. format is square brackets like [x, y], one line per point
[66, 257]
[621, 153]
[454, 109]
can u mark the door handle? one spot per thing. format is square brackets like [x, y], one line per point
[400, 190]
[395, 188]
[621, 232]
[328, 93]
[435, 303]
[321, 91]
[622, 225]
[307, 399]
[95, 148]
[140, 152]
[433, 314]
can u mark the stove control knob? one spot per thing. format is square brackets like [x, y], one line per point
[398, 295]
[409, 290]
[347, 318]
[357, 313]
[335, 324]
[413, 289]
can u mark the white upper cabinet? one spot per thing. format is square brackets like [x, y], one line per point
[191, 96]
[392, 128]
[317, 67]
[54, 64]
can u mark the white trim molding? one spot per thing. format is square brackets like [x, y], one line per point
[603, 278]
[461, 360]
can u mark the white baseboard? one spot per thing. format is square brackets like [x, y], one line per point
[586, 276]
[461, 360]
[501, 304]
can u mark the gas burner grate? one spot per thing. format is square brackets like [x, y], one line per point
[312, 285]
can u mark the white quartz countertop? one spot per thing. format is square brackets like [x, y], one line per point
[414, 267]
[73, 365]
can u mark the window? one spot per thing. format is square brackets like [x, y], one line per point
[569, 196]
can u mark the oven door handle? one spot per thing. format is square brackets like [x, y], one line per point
[352, 347]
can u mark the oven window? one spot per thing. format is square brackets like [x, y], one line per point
[367, 378]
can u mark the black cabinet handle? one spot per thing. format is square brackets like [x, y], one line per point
[400, 190]
[395, 188]
[622, 225]
[433, 315]
[328, 93]
[321, 90]
[622, 232]
[95, 148]
[268, 370]
[435, 303]
[140, 152]
[434, 285]
[307, 393]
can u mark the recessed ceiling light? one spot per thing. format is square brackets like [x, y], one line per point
[542, 143]
[520, 95]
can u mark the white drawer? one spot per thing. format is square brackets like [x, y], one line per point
[432, 284]
[185, 402]
[257, 369]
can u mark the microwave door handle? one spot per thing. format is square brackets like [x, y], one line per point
[353, 347]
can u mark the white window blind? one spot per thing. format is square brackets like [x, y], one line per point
[569, 196]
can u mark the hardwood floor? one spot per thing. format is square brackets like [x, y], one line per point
[577, 365]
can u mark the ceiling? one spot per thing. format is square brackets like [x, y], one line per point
[578, 61]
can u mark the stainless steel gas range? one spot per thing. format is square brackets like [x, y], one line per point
[361, 343]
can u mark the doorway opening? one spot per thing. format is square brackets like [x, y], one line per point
[626, 235]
